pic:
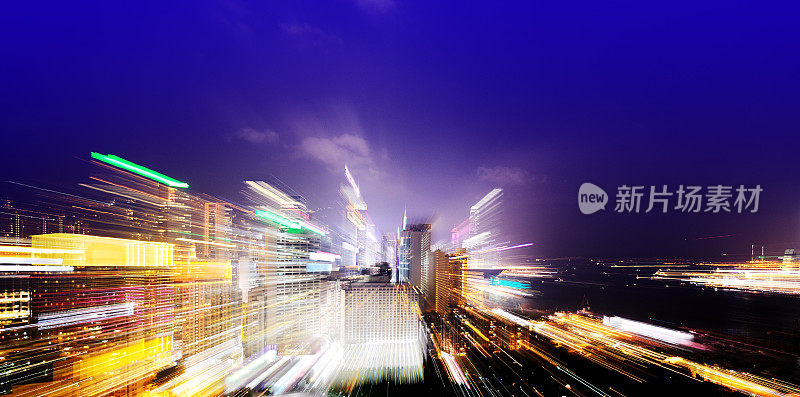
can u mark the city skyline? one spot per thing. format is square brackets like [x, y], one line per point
[136, 285]
[399, 198]
[513, 112]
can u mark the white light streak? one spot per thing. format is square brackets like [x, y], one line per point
[35, 268]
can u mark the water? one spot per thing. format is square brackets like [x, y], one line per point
[767, 319]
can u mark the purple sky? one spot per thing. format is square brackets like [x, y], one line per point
[431, 104]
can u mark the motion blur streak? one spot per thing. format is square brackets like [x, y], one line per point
[584, 334]
[757, 276]
[136, 286]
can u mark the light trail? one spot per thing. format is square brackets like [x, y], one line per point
[588, 336]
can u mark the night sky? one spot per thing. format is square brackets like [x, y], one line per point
[430, 103]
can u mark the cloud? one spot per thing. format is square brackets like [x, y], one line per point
[332, 136]
[337, 151]
[248, 134]
[504, 176]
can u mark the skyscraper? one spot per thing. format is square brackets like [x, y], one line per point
[359, 229]
[383, 334]
[294, 282]
[485, 221]
[449, 279]
[459, 233]
[415, 265]
[389, 249]
[107, 285]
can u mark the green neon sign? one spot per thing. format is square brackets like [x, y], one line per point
[291, 226]
[270, 216]
[120, 162]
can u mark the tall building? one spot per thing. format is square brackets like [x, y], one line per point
[128, 201]
[459, 233]
[135, 284]
[485, 224]
[104, 315]
[359, 229]
[414, 259]
[384, 335]
[200, 230]
[296, 268]
[18, 223]
[389, 249]
[380, 312]
[449, 279]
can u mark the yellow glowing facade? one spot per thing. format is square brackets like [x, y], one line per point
[103, 251]
[112, 327]
[449, 280]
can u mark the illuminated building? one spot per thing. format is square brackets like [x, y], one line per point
[249, 269]
[17, 338]
[296, 268]
[459, 233]
[443, 281]
[420, 240]
[15, 306]
[104, 318]
[293, 292]
[18, 222]
[383, 334]
[165, 291]
[199, 229]
[790, 257]
[380, 312]
[389, 249]
[349, 252]
[403, 273]
[449, 292]
[415, 261]
[216, 227]
[484, 230]
[332, 309]
[369, 247]
[359, 229]
[122, 203]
